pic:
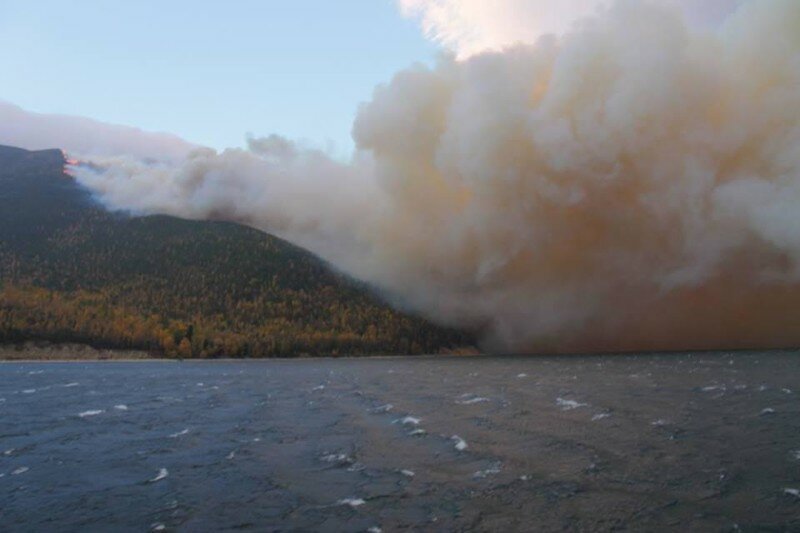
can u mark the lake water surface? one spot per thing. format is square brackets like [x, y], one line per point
[696, 442]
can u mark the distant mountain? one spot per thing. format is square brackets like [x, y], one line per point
[70, 271]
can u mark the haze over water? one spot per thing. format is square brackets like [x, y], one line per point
[690, 442]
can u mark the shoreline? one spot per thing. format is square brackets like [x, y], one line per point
[42, 352]
[47, 352]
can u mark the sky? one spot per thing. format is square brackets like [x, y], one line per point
[208, 71]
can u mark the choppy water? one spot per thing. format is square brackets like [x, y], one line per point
[683, 442]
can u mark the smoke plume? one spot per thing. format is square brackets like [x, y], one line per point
[78, 135]
[631, 184]
[469, 27]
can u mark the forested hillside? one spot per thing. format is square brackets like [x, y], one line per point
[72, 272]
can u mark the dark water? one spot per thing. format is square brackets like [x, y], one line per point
[685, 443]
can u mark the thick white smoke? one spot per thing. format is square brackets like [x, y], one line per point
[78, 135]
[468, 27]
[276, 185]
[632, 184]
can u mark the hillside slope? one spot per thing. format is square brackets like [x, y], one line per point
[71, 271]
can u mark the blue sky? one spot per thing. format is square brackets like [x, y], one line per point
[209, 71]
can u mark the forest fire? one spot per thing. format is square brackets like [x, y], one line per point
[69, 163]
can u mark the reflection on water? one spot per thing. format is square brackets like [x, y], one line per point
[692, 442]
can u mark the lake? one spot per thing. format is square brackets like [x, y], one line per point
[686, 442]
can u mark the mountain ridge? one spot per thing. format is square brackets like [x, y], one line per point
[70, 271]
